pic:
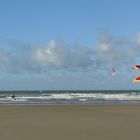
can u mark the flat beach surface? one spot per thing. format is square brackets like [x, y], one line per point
[70, 122]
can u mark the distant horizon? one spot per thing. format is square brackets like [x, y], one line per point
[71, 90]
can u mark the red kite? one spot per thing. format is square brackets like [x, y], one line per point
[136, 79]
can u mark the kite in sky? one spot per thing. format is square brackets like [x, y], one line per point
[136, 79]
[113, 72]
[136, 67]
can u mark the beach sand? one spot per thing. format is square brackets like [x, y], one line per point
[70, 122]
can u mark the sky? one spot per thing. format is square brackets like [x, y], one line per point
[69, 44]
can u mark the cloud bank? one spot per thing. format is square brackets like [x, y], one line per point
[109, 52]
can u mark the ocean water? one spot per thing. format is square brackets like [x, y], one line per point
[70, 97]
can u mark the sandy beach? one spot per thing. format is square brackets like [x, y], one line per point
[70, 122]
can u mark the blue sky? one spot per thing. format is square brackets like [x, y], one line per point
[68, 44]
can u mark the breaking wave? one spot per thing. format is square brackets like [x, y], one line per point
[70, 97]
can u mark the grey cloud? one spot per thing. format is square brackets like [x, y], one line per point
[61, 56]
[110, 52]
[54, 55]
[114, 52]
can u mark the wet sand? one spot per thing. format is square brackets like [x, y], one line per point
[70, 122]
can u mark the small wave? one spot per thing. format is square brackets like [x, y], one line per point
[94, 96]
[71, 98]
[83, 100]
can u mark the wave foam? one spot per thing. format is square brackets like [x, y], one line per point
[94, 96]
[71, 98]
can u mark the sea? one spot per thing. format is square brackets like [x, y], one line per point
[70, 97]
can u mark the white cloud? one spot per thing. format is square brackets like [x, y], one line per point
[110, 51]
[114, 52]
[60, 56]
[137, 39]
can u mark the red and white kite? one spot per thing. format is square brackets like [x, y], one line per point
[136, 79]
[136, 67]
